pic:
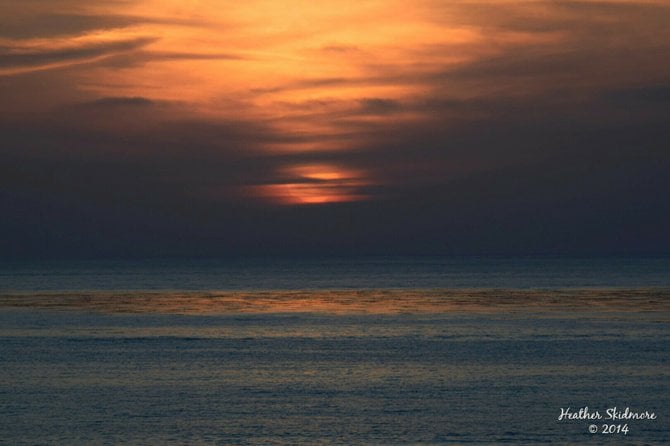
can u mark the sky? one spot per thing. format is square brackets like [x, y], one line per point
[160, 128]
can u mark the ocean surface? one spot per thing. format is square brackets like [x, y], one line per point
[339, 273]
[415, 351]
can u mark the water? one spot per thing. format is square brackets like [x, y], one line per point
[286, 373]
[339, 273]
[76, 378]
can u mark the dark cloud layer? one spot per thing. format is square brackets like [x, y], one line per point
[561, 186]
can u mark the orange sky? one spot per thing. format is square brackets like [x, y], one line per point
[327, 76]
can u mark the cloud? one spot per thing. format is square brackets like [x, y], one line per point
[143, 57]
[379, 106]
[51, 20]
[135, 101]
[61, 24]
[16, 59]
[340, 48]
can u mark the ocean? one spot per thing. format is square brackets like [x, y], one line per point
[373, 351]
[339, 273]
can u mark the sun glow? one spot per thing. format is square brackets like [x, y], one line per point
[316, 184]
[305, 193]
